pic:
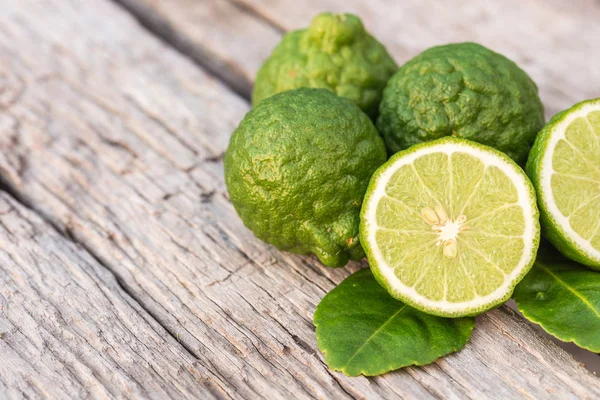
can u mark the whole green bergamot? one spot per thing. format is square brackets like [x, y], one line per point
[463, 90]
[334, 53]
[297, 168]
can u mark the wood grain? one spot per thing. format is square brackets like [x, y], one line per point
[67, 330]
[117, 139]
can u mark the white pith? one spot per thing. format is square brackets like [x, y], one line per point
[449, 230]
[446, 229]
[526, 202]
[546, 172]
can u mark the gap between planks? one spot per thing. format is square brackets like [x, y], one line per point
[231, 76]
[68, 236]
[68, 330]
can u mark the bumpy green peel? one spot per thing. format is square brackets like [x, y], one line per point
[297, 168]
[334, 53]
[463, 90]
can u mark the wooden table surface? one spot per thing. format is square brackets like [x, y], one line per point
[124, 270]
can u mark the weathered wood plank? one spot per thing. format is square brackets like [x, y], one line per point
[67, 330]
[212, 35]
[117, 139]
[215, 33]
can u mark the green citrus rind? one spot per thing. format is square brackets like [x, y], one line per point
[497, 297]
[463, 90]
[335, 53]
[296, 171]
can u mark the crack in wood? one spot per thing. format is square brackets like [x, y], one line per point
[229, 74]
[71, 340]
[256, 12]
[69, 234]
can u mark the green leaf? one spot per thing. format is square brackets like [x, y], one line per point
[564, 298]
[361, 329]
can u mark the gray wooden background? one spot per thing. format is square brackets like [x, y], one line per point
[124, 270]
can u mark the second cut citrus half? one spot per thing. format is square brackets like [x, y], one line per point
[564, 166]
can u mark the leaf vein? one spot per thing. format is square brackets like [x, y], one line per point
[375, 334]
[571, 289]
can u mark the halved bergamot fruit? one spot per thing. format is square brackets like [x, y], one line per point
[564, 166]
[450, 226]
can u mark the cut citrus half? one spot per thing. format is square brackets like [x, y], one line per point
[564, 166]
[450, 226]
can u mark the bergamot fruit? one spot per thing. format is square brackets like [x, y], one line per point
[564, 166]
[297, 168]
[450, 226]
[334, 53]
[463, 90]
